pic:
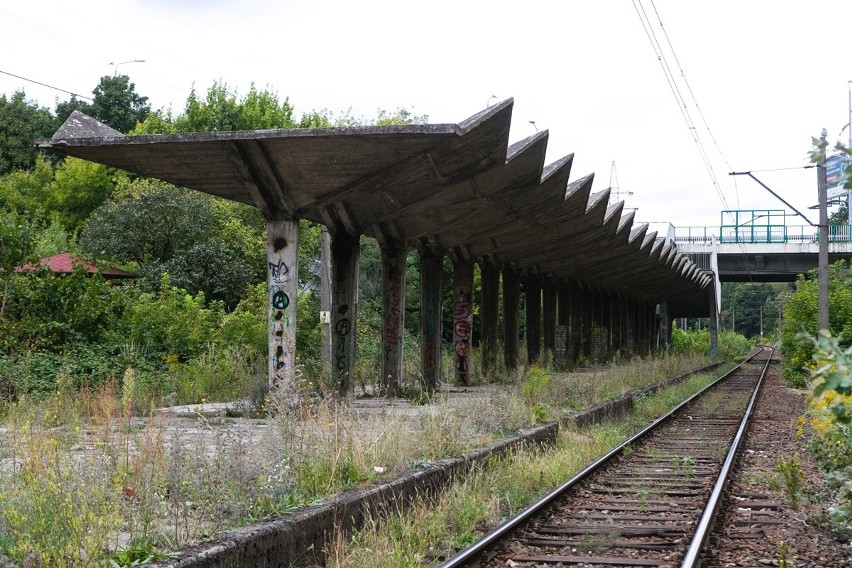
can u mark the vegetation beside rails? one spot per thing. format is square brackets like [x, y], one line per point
[146, 486]
[430, 531]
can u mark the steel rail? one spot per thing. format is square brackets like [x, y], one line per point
[705, 525]
[501, 531]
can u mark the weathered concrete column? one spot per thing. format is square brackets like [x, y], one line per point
[282, 282]
[607, 318]
[588, 307]
[563, 321]
[713, 324]
[615, 318]
[430, 319]
[462, 319]
[665, 316]
[549, 314]
[345, 252]
[576, 335]
[511, 305]
[490, 278]
[325, 300]
[630, 323]
[533, 313]
[394, 257]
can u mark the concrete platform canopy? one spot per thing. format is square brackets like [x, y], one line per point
[445, 189]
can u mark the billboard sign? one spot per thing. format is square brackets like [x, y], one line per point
[835, 175]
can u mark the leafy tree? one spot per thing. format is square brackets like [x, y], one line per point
[117, 103]
[212, 268]
[154, 225]
[28, 191]
[21, 123]
[839, 217]
[221, 111]
[79, 187]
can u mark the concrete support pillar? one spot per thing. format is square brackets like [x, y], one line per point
[282, 283]
[713, 324]
[462, 319]
[615, 312]
[563, 321]
[549, 314]
[345, 253]
[533, 328]
[607, 316]
[654, 327]
[489, 316]
[588, 306]
[666, 327]
[430, 319]
[511, 305]
[394, 257]
[575, 334]
[630, 323]
[325, 300]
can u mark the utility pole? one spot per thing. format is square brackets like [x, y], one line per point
[761, 322]
[822, 313]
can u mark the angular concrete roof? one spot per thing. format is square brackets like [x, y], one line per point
[456, 188]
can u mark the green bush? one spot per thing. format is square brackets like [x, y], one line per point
[173, 324]
[800, 320]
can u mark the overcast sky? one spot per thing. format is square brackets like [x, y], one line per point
[766, 75]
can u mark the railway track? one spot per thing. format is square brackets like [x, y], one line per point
[649, 502]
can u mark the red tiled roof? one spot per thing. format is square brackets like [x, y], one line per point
[65, 262]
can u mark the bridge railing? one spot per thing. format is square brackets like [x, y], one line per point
[761, 234]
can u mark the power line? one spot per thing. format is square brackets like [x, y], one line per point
[694, 100]
[676, 92]
[46, 85]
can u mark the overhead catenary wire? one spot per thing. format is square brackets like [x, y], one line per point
[683, 107]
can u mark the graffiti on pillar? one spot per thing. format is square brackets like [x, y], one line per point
[395, 307]
[462, 328]
[342, 328]
[281, 334]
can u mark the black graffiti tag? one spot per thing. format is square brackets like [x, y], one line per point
[280, 300]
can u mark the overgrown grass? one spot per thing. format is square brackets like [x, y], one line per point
[154, 483]
[431, 530]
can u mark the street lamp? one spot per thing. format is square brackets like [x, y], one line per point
[115, 74]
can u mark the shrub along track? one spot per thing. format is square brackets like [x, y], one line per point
[640, 504]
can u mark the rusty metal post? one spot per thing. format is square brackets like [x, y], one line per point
[462, 319]
[430, 319]
[489, 315]
[282, 280]
[345, 252]
[549, 314]
[394, 256]
[511, 305]
[533, 327]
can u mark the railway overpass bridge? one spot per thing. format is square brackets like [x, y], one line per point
[759, 253]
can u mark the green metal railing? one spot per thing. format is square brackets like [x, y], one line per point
[761, 234]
